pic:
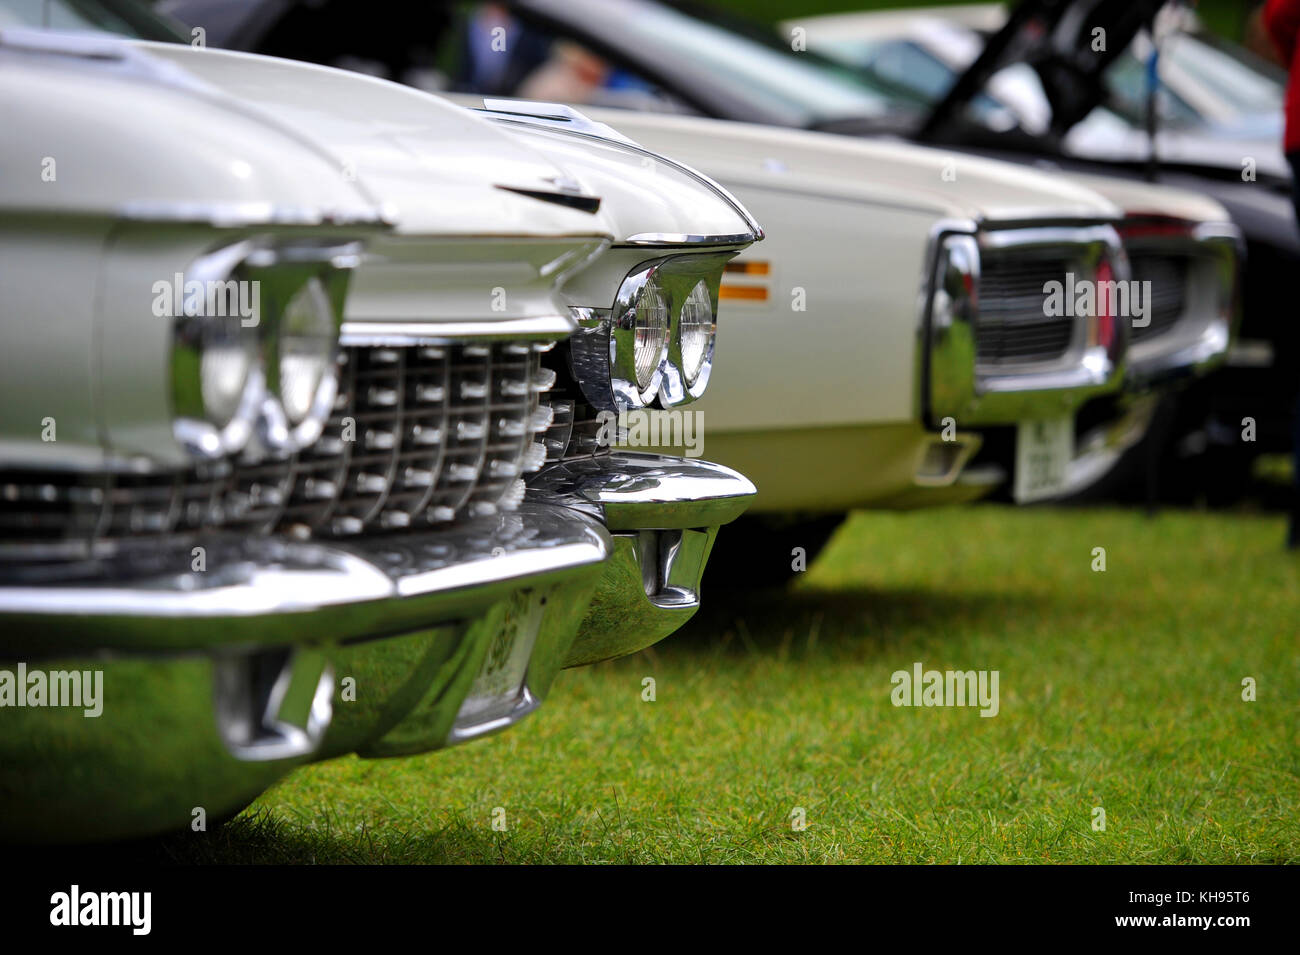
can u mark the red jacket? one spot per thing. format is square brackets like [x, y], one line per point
[1282, 21]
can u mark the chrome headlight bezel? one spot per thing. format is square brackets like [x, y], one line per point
[276, 271]
[677, 387]
[603, 349]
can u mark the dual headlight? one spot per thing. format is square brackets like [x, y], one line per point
[255, 349]
[655, 346]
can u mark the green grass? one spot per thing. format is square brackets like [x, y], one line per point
[1119, 689]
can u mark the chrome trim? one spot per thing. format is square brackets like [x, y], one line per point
[241, 215]
[681, 238]
[1201, 337]
[572, 118]
[665, 513]
[356, 333]
[633, 491]
[954, 384]
[650, 588]
[275, 592]
[465, 729]
[216, 727]
[273, 705]
[1100, 449]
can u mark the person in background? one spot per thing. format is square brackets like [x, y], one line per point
[1280, 20]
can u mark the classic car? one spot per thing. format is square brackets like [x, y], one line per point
[684, 57]
[1213, 96]
[1216, 130]
[294, 460]
[872, 407]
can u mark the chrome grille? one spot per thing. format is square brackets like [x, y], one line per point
[574, 431]
[419, 435]
[1012, 327]
[1168, 277]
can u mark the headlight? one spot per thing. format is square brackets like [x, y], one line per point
[307, 338]
[656, 343]
[255, 352]
[650, 334]
[696, 331]
[638, 339]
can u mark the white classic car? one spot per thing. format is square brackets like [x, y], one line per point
[296, 459]
[856, 259]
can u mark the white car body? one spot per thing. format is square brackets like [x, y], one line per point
[850, 227]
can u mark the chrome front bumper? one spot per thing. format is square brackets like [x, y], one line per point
[218, 681]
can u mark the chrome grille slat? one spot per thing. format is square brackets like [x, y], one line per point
[460, 454]
[1168, 277]
[1012, 327]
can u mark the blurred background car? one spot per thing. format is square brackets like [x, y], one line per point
[1214, 97]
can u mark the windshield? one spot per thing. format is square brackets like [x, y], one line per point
[123, 17]
[1228, 73]
[1205, 82]
[820, 90]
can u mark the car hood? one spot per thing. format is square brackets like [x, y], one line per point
[443, 169]
[947, 185]
[1142, 199]
[277, 133]
[652, 199]
[79, 111]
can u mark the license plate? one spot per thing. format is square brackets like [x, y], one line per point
[499, 693]
[1043, 453]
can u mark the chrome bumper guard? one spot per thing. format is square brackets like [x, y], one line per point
[664, 514]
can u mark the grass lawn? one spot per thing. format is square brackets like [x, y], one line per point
[1120, 690]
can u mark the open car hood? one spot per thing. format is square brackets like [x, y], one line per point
[1057, 39]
